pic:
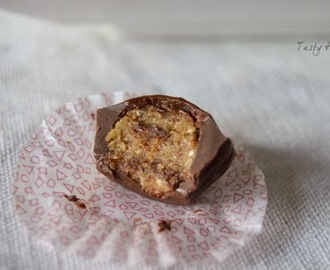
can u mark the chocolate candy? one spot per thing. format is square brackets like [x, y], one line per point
[164, 148]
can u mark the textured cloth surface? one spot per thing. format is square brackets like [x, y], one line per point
[267, 95]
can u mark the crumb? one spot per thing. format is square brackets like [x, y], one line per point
[164, 225]
[197, 211]
[138, 221]
[77, 201]
[93, 116]
[68, 142]
[71, 198]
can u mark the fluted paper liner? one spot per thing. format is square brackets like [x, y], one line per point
[109, 222]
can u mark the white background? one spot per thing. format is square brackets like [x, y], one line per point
[189, 18]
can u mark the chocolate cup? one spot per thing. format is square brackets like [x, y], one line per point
[214, 151]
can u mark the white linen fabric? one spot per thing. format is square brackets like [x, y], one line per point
[270, 96]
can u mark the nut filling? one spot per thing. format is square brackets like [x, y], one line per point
[153, 146]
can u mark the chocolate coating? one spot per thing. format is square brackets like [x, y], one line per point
[214, 151]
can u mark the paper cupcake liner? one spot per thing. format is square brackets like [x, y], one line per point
[109, 222]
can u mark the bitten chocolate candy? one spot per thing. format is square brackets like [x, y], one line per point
[162, 147]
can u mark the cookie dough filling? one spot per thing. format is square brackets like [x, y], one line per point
[153, 146]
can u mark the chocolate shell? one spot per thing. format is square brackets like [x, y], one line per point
[214, 151]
